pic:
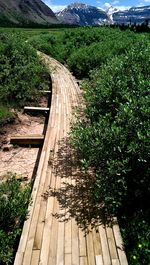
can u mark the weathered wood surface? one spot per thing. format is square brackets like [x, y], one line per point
[46, 92]
[55, 232]
[34, 139]
[35, 109]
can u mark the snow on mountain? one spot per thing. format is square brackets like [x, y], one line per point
[82, 14]
[134, 15]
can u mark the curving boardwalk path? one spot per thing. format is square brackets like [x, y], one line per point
[63, 227]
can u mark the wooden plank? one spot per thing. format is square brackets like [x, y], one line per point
[60, 253]
[68, 259]
[46, 91]
[99, 260]
[56, 235]
[115, 262]
[35, 257]
[47, 227]
[90, 248]
[82, 243]
[83, 261]
[37, 201]
[18, 258]
[42, 213]
[75, 243]
[60, 247]
[68, 237]
[36, 109]
[119, 244]
[32, 139]
[111, 243]
[24, 236]
[96, 242]
[104, 244]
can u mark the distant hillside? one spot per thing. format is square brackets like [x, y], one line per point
[25, 11]
[83, 15]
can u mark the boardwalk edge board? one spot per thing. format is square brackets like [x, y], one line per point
[40, 109]
[36, 140]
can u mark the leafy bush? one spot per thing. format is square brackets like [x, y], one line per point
[85, 48]
[136, 235]
[14, 200]
[96, 54]
[113, 135]
[5, 115]
[21, 72]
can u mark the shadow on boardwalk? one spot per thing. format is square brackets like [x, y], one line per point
[75, 193]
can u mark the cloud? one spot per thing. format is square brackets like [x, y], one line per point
[144, 3]
[55, 8]
[122, 7]
[115, 4]
[107, 5]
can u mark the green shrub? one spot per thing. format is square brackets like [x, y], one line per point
[5, 115]
[84, 49]
[22, 74]
[94, 56]
[113, 136]
[14, 200]
[136, 235]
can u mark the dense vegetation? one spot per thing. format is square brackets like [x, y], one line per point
[113, 139]
[85, 48]
[22, 74]
[14, 200]
[112, 136]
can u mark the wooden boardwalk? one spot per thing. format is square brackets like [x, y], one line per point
[60, 229]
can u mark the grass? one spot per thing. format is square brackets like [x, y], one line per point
[5, 114]
[30, 32]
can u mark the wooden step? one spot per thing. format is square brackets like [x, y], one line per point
[36, 109]
[46, 91]
[35, 139]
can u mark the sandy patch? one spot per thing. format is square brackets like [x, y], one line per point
[19, 160]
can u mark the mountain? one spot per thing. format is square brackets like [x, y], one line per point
[133, 15]
[110, 11]
[83, 15]
[26, 11]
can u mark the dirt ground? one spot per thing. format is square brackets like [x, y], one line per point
[20, 160]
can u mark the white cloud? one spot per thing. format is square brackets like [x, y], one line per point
[107, 5]
[144, 3]
[115, 2]
[55, 8]
[122, 7]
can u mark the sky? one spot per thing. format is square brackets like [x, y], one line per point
[57, 5]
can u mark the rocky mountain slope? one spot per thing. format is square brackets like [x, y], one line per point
[26, 11]
[134, 15]
[83, 15]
